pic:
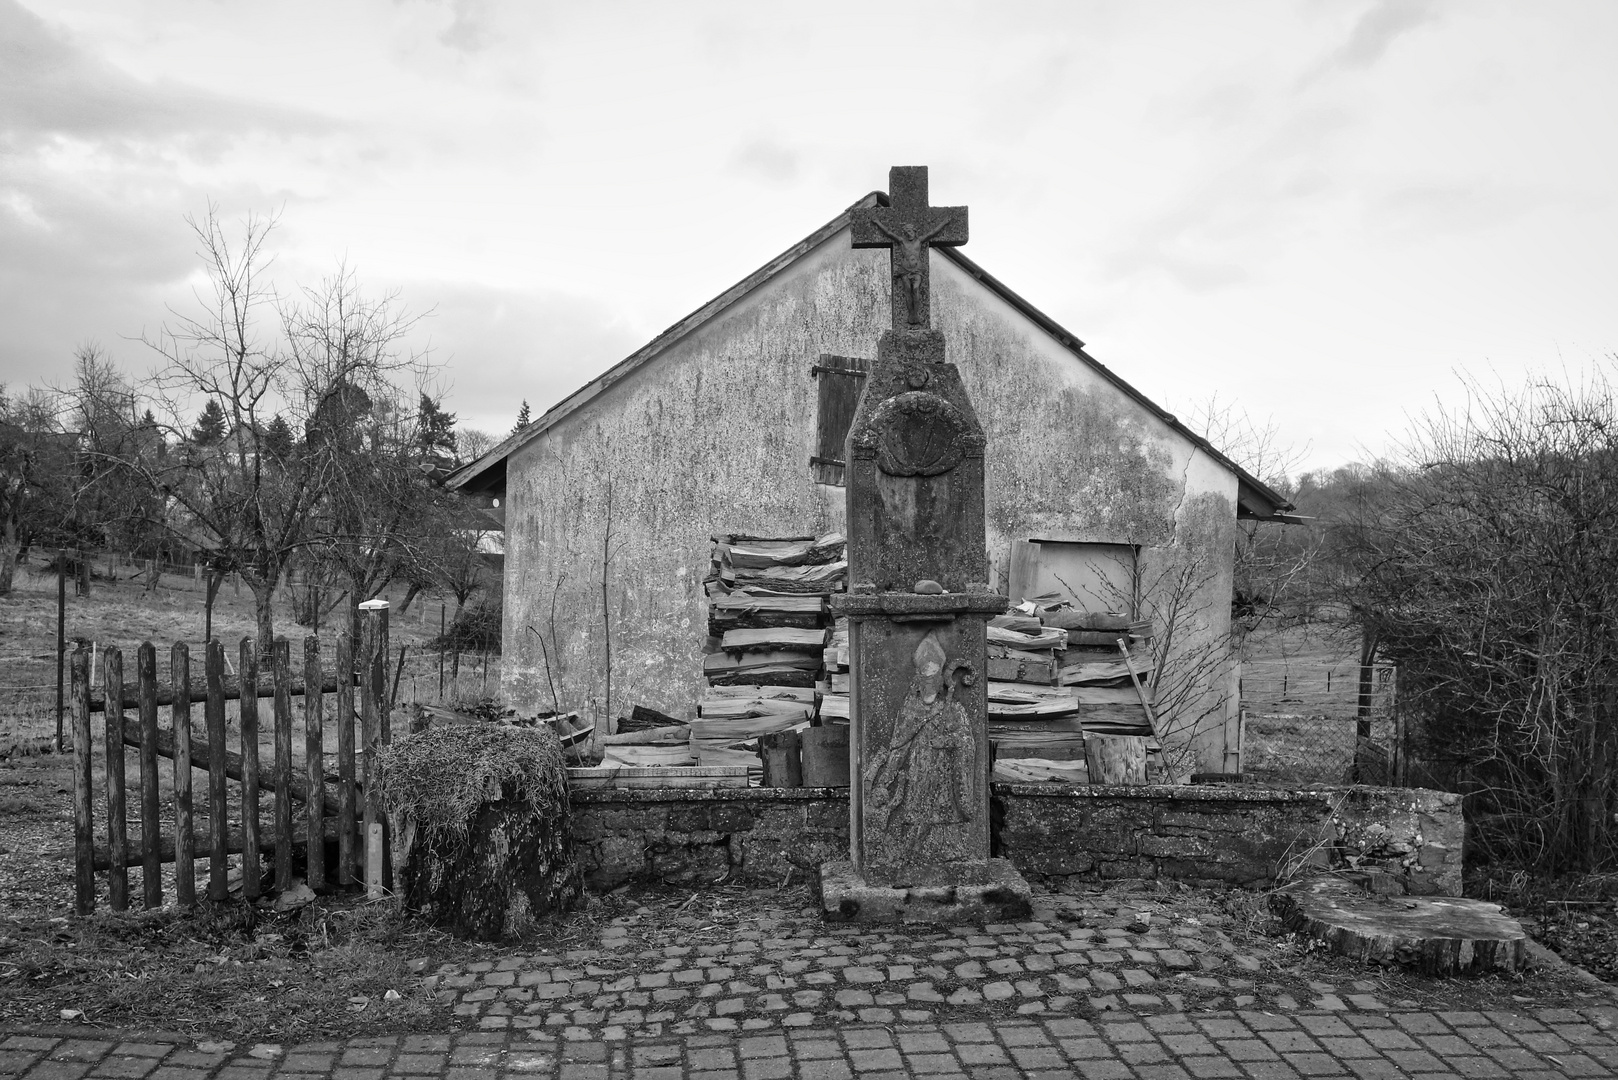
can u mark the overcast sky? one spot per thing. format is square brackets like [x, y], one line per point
[1319, 210]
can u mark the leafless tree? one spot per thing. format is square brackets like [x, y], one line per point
[1485, 564]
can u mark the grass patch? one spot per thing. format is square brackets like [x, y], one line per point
[228, 969]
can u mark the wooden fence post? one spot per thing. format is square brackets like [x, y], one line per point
[151, 829]
[117, 812]
[252, 856]
[151, 867]
[347, 849]
[372, 650]
[218, 822]
[84, 874]
[280, 662]
[185, 834]
[314, 762]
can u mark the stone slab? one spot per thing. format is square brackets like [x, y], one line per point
[1004, 896]
[1438, 935]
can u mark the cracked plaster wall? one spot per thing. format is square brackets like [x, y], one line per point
[714, 436]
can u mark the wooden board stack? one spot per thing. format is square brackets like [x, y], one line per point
[833, 687]
[768, 625]
[1056, 673]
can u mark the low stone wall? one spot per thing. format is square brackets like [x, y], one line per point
[1054, 834]
[1231, 835]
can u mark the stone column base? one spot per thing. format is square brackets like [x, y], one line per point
[845, 897]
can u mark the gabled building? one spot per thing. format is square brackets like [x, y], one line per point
[733, 420]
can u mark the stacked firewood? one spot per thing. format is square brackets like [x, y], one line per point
[768, 626]
[1057, 673]
[834, 686]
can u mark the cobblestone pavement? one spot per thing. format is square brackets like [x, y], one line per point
[1165, 1046]
[1075, 956]
[1102, 986]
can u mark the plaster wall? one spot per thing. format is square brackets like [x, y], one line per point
[714, 435]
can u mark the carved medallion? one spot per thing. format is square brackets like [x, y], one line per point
[918, 434]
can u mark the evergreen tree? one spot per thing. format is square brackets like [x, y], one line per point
[435, 429]
[210, 429]
[278, 439]
[522, 417]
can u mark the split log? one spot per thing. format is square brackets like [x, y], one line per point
[783, 763]
[1116, 759]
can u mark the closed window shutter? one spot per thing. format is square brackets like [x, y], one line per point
[841, 380]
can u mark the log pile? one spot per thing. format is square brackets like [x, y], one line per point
[1059, 676]
[769, 624]
[834, 685]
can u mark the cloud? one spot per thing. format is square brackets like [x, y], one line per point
[498, 347]
[50, 87]
[767, 159]
[1379, 28]
[1413, 212]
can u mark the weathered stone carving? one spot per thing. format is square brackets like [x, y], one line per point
[919, 806]
[908, 226]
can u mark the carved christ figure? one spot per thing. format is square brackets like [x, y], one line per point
[910, 262]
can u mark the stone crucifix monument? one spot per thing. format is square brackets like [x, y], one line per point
[918, 608]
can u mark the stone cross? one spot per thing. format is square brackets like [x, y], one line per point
[918, 609]
[908, 227]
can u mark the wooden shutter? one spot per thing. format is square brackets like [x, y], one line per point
[841, 380]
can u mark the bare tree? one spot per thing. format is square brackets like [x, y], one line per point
[1484, 562]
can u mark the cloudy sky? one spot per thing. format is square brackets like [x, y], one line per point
[1320, 210]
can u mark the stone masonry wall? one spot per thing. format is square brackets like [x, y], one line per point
[1055, 835]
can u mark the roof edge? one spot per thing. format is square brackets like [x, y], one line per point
[489, 470]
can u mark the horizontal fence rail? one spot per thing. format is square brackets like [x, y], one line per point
[309, 809]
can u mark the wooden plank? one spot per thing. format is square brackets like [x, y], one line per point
[202, 750]
[234, 845]
[727, 664]
[1105, 695]
[218, 823]
[252, 850]
[185, 834]
[1024, 568]
[348, 846]
[84, 875]
[281, 676]
[151, 878]
[1049, 637]
[112, 664]
[314, 766]
[774, 638]
[198, 690]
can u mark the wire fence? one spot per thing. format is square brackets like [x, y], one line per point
[1320, 723]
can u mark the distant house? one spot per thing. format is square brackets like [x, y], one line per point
[732, 421]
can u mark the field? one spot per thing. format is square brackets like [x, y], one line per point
[1300, 697]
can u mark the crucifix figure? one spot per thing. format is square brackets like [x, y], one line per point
[908, 227]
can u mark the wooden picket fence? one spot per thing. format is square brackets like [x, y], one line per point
[359, 823]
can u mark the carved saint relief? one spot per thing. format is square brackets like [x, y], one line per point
[921, 782]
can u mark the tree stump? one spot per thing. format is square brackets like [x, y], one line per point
[1116, 759]
[1434, 935]
[480, 826]
[824, 756]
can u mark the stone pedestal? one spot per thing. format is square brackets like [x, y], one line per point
[1000, 895]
